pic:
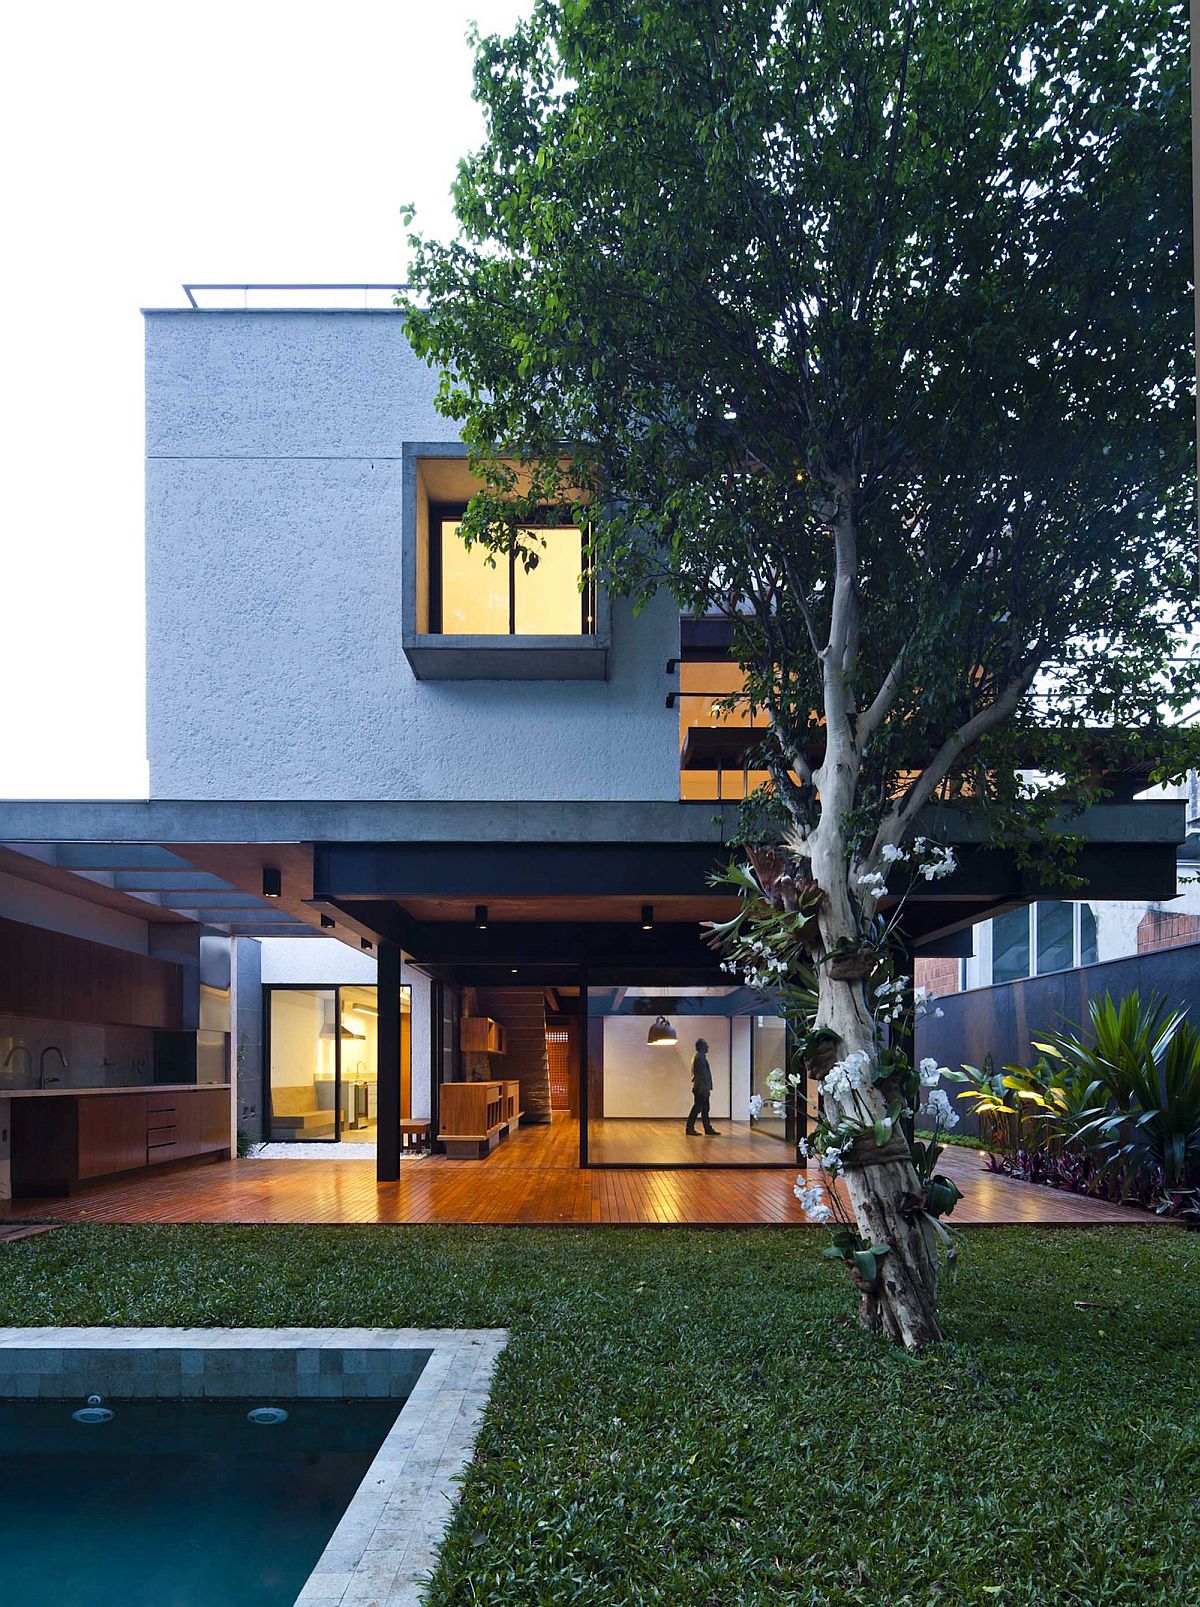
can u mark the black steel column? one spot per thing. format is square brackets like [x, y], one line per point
[387, 1152]
[584, 1077]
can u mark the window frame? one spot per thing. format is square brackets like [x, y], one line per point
[441, 512]
[1033, 971]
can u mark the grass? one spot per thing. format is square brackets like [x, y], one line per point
[962, 1140]
[693, 1418]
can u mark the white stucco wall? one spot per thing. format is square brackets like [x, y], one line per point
[315, 960]
[273, 575]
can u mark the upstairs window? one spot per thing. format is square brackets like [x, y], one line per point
[474, 592]
[1040, 938]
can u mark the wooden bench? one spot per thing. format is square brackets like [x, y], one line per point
[414, 1133]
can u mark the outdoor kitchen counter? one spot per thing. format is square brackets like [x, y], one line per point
[132, 1088]
[60, 1139]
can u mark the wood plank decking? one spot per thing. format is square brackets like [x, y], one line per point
[534, 1178]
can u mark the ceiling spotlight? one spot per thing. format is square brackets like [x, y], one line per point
[647, 917]
[272, 881]
[328, 920]
[365, 942]
[514, 970]
[661, 1031]
[481, 917]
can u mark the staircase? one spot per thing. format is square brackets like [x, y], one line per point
[522, 1012]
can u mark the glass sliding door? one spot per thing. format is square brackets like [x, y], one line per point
[302, 1065]
[768, 1052]
[670, 1073]
[322, 1062]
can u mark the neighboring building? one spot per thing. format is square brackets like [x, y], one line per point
[426, 820]
[1034, 967]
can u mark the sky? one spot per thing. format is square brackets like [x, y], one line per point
[148, 145]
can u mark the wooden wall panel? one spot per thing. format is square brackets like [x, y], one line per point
[62, 978]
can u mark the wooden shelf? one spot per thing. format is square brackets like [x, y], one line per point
[472, 1118]
[481, 1035]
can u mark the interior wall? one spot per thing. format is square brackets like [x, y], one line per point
[739, 1067]
[655, 1080]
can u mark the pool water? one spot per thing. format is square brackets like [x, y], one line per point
[176, 1503]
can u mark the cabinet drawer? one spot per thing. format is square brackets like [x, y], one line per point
[156, 1136]
[157, 1153]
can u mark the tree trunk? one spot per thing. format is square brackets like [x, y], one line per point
[885, 1197]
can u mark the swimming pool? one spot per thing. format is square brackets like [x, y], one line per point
[176, 1503]
[192, 1504]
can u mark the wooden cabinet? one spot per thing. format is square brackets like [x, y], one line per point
[472, 1118]
[62, 978]
[481, 1035]
[512, 1105]
[64, 1140]
[110, 1133]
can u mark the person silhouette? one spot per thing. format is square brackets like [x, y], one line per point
[701, 1092]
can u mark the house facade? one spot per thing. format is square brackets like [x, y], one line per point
[429, 840]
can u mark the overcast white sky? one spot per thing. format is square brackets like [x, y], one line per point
[146, 145]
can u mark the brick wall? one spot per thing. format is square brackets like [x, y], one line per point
[937, 976]
[1163, 929]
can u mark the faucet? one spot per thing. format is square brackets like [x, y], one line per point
[20, 1049]
[50, 1049]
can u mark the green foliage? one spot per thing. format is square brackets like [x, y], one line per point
[892, 295]
[689, 1417]
[1141, 1065]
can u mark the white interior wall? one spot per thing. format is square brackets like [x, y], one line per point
[739, 1070]
[643, 1079]
[422, 1049]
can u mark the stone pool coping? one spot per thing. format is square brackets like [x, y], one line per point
[387, 1539]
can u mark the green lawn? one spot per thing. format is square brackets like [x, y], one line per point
[693, 1418]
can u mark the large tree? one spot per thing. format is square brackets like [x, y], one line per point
[868, 324]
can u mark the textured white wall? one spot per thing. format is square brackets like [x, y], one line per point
[318, 960]
[274, 659]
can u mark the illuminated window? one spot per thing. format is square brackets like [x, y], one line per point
[474, 592]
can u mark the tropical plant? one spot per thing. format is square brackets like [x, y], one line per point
[1141, 1064]
[1158, 1114]
[991, 1103]
[865, 325]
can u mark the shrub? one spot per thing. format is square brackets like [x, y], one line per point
[1143, 1064]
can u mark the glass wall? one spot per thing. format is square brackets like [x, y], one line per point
[669, 1078]
[321, 1056]
[768, 1052]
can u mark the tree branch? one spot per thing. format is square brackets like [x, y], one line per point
[899, 819]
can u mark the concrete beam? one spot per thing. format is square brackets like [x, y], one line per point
[97, 831]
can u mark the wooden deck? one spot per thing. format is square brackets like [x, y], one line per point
[534, 1178]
